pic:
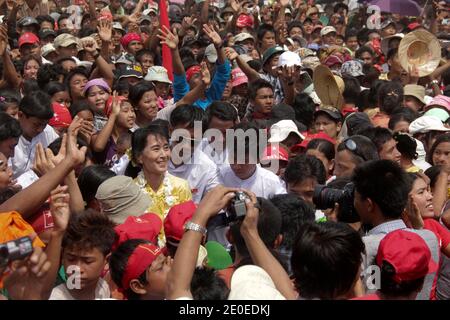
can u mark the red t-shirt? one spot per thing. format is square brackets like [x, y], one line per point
[442, 233]
[372, 296]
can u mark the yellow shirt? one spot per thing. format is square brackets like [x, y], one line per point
[171, 192]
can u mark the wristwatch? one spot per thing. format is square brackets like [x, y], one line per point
[195, 227]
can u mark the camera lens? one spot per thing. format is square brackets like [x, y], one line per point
[325, 197]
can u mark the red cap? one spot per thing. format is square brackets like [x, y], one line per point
[146, 226]
[108, 104]
[141, 258]
[408, 253]
[275, 152]
[244, 21]
[414, 25]
[61, 116]
[129, 37]
[28, 38]
[176, 219]
[42, 220]
[191, 71]
[312, 136]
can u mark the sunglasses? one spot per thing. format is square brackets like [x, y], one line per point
[351, 146]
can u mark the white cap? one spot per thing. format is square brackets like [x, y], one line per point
[421, 161]
[46, 49]
[326, 30]
[251, 282]
[289, 59]
[157, 73]
[281, 130]
[426, 124]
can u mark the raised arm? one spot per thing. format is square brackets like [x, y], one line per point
[180, 276]
[251, 73]
[104, 69]
[9, 71]
[27, 201]
[99, 140]
[194, 94]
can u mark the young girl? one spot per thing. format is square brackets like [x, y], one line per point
[58, 93]
[31, 66]
[82, 110]
[97, 93]
[324, 151]
[145, 102]
[440, 151]
[121, 119]
[76, 80]
[9, 103]
[150, 152]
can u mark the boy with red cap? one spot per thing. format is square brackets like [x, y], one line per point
[404, 259]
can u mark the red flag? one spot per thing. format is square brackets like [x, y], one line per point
[166, 54]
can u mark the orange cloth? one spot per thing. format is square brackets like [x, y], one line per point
[13, 226]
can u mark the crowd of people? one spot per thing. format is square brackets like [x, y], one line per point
[215, 149]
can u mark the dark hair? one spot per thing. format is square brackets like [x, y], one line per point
[352, 89]
[9, 97]
[324, 146]
[326, 259]
[221, 110]
[255, 65]
[137, 91]
[433, 173]
[29, 86]
[304, 107]
[363, 36]
[254, 86]
[350, 33]
[390, 96]
[391, 288]
[385, 183]
[294, 213]
[9, 127]
[186, 114]
[263, 29]
[37, 104]
[49, 73]
[366, 149]
[391, 53]
[73, 73]
[45, 17]
[91, 178]
[88, 230]
[378, 135]
[248, 129]
[54, 87]
[63, 16]
[118, 263]
[371, 75]
[78, 106]
[62, 59]
[446, 77]
[28, 59]
[363, 49]
[86, 32]
[207, 285]
[269, 227]
[142, 52]
[295, 24]
[403, 114]
[303, 167]
[56, 145]
[139, 142]
[122, 85]
[440, 139]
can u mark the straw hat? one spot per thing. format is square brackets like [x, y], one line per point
[422, 49]
[328, 87]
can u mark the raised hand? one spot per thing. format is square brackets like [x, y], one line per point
[42, 160]
[169, 38]
[235, 5]
[73, 154]
[213, 35]
[115, 104]
[284, 3]
[231, 54]
[414, 219]
[104, 29]
[206, 76]
[62, 150]
[216, 199]
[89, 46]
[3, 39]
[134, 18]
[59, 207]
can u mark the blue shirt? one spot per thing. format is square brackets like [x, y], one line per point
[214, 92]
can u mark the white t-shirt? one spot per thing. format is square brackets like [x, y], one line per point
[62, 293]
[25, 150]
[219, 157]
[263, 182]
[202, 174]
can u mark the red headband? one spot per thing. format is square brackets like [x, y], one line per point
[129, 37]
[141, 258]
[191, 71]
[108, 105]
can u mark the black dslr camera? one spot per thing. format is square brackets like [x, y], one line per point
[325, 197]
[236, 211]
[13, 250]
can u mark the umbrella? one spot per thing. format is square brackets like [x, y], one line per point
[402, 7]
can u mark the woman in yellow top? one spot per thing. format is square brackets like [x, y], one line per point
[150, 153]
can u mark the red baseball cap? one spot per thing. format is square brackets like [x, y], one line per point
[28, 38]
[414, 25]
[176, 219]
[408, 253]
[275, 152]
[312, 136]
[42, 220]
[61, 116]
[146, 226]
[244, 20]
[141, 258]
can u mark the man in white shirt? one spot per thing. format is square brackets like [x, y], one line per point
[35, 111]
[188, 160]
